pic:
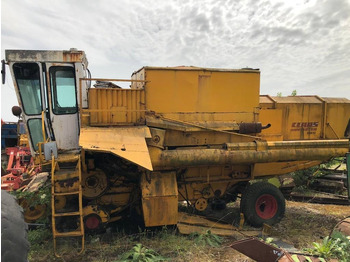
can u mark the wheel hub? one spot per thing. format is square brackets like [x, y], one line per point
[92, 222]
[266, 206]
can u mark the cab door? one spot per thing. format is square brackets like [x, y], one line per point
[30, 91]
[63, 106]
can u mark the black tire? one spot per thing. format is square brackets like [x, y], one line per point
[14, 244]
[262, 203]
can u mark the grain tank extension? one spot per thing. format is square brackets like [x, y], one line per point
[177, 134]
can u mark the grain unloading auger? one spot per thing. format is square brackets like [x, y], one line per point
[177, 134]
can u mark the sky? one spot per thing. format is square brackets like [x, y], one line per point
[301, 45]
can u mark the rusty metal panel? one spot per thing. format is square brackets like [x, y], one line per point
[112, 106]
[52, 56]
[262, 252]
[343, 227]
[126, 142]
[159, 198]
[257, 250]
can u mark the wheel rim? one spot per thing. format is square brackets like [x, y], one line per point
[32, 213]
[94, 184]
[201, 204]
[92, 222]
[266, 206]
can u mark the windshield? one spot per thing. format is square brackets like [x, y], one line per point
[28, 81]
[64, 100]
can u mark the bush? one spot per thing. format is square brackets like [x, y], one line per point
[39, 236]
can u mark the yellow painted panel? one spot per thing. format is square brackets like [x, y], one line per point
[280, 168]
[273, 117]
[110, 106]
[126, 142]
[306, 117]
[302, 121]
[338, 117]
[159, 198]
[204, 92]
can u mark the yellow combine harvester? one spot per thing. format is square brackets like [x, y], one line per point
[177, 134]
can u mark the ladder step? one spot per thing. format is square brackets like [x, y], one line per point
[64, 175]
[66, 194]
[69, 234]
[68, 158]
[76, 213]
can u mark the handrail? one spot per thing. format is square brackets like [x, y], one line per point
[113, 80]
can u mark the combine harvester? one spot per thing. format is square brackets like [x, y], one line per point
[177, 134]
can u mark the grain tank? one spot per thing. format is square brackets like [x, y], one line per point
[190, 134]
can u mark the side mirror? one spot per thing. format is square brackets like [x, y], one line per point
[3, 71]
[16, 111]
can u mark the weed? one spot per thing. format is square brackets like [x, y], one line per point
[140, 253]
[336, 246]
[343, 248]
[207, 239]
[325, 249]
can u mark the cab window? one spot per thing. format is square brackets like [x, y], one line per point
[35, 131]
[28, 81]
[63, 91]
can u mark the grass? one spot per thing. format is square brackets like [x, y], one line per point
[165, 242]
[304, 224]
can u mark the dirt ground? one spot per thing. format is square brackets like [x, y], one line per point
[303, 224]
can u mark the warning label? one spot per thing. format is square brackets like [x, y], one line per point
[309, 127]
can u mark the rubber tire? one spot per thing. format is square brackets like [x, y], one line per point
[250, 197]
[14, 244]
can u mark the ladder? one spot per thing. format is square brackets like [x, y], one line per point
[66, 181]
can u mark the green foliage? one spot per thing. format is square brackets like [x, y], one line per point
[207, 239]
[337, 246]
[303, 178]
[40, 197]
[294, 92]
[269, 240]
[140, 253]
[279, 94]
[38, 237]
[325, 249]
[343, 247]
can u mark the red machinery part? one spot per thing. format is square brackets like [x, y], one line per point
[11, 182]
[19, 159]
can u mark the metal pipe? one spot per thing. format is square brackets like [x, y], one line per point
[250, 153]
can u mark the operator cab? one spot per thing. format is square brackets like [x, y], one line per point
[46, 83]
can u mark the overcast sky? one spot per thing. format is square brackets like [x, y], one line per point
[301, 45]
